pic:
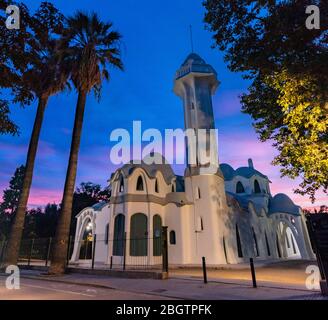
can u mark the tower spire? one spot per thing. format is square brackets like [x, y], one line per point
[191, 39]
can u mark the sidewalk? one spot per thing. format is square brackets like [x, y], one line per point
[183, 288]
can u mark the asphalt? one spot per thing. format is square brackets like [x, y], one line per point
[34, 285]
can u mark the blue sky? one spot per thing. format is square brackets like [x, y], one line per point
[155, 42]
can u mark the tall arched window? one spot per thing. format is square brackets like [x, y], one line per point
[267, 244]
[239, 248]
[173, 189]
[225, 249]
[156, 186]
[172, 237]
[256, 247]
[106, 233]
[257, 188]
[119, 229]
[140, 185]
[157, 231]
[121, 185]
[240, 187]
[138, 235]
[293, 244]
[278, 246]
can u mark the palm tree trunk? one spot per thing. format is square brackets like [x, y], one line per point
[60, 248]
[12, 251]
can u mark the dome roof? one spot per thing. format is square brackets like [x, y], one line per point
[151, 168]
[227, 170]
[247, 172]
[282, 203]
[195, 64]
[193, 58]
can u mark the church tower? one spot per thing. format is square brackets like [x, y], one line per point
[195, 83]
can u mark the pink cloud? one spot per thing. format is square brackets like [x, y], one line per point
[41, 196]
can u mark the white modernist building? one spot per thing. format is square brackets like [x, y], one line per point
[226, 216]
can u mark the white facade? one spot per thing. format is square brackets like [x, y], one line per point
[226, 216]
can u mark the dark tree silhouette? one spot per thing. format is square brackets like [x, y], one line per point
[88, 47]
[41, 78]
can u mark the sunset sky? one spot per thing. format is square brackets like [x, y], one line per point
[155, 43]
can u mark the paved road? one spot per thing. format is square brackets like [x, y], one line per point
[88, 288]
[45, 290]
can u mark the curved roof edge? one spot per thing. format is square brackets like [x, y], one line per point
[247, 172]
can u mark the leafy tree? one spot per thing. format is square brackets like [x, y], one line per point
[12, 61]
[9, 203]
[46, 221]
[287, 63]
[41, 78]
[88, 47]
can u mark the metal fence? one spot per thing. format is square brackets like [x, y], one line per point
[98, 252]
[121, 253]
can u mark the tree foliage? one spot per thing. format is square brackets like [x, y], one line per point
[9, 202]
[287, 63]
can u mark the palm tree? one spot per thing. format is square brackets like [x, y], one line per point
[89, 47]
[41, 79]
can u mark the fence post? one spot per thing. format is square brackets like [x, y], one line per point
[124, 251]
[111, 263]
[3, 248]
[165, 259]
[30, 254]
[48, 251]
[68, 250]
[204, 270]
[94, 251]
[253, 272]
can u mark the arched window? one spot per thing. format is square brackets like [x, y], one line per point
[138, 235]
[172, 237]
[293, 244]
[267, 245]
[287, 240]
[119, 229]
[86, 243]
[173, 189]
[257, 188]
[278, 246]
[106, 233]
[240, 187]
[157, 231]
[140, 185]
[121, 186]
[225, 249]
[156, 186]
[239, 248]
[256, 247]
